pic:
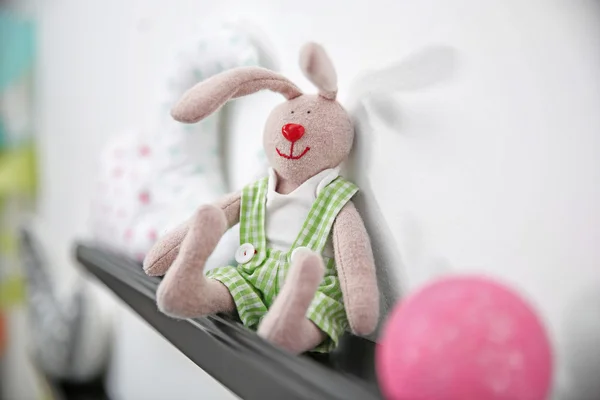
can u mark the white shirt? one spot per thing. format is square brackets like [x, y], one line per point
[286, 213]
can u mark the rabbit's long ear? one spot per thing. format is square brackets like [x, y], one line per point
[208, 96]
[318, 68]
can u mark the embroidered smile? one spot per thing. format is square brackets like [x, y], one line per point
[291, 156]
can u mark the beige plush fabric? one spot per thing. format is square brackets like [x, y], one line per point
[165, 250]
[286, 324]
[356, 270]
[208, 96]
[328, 136]
[185, 292]
[325, 142]
[230, 205]
[318, 68]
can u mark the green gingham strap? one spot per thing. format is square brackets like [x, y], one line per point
[329, 203]
[252, 219]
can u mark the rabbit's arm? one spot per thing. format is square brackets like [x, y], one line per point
[165, 250]
[356, 270]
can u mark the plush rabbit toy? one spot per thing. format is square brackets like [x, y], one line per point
[305, 268]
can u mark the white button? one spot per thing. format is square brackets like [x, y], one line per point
[297, 250]
[244, 253]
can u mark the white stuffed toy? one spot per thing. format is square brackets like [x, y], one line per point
[150, 181]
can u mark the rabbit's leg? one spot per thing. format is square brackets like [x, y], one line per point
[286, 324]
[185, 292]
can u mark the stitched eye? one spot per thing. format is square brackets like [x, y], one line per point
[308, 112]
[292, 111]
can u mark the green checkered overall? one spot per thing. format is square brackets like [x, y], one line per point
[255, 284]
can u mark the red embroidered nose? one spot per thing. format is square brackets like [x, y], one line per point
[292, 132]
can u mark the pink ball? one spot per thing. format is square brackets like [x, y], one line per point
[464, 338]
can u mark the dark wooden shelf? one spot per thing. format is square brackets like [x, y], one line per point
[232, 354]
[64, 390]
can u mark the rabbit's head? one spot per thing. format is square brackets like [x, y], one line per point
[304, 135]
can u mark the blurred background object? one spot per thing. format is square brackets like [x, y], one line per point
[18, 178]
[149, 181]
[465, 337]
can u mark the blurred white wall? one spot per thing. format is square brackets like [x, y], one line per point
[497, 171]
